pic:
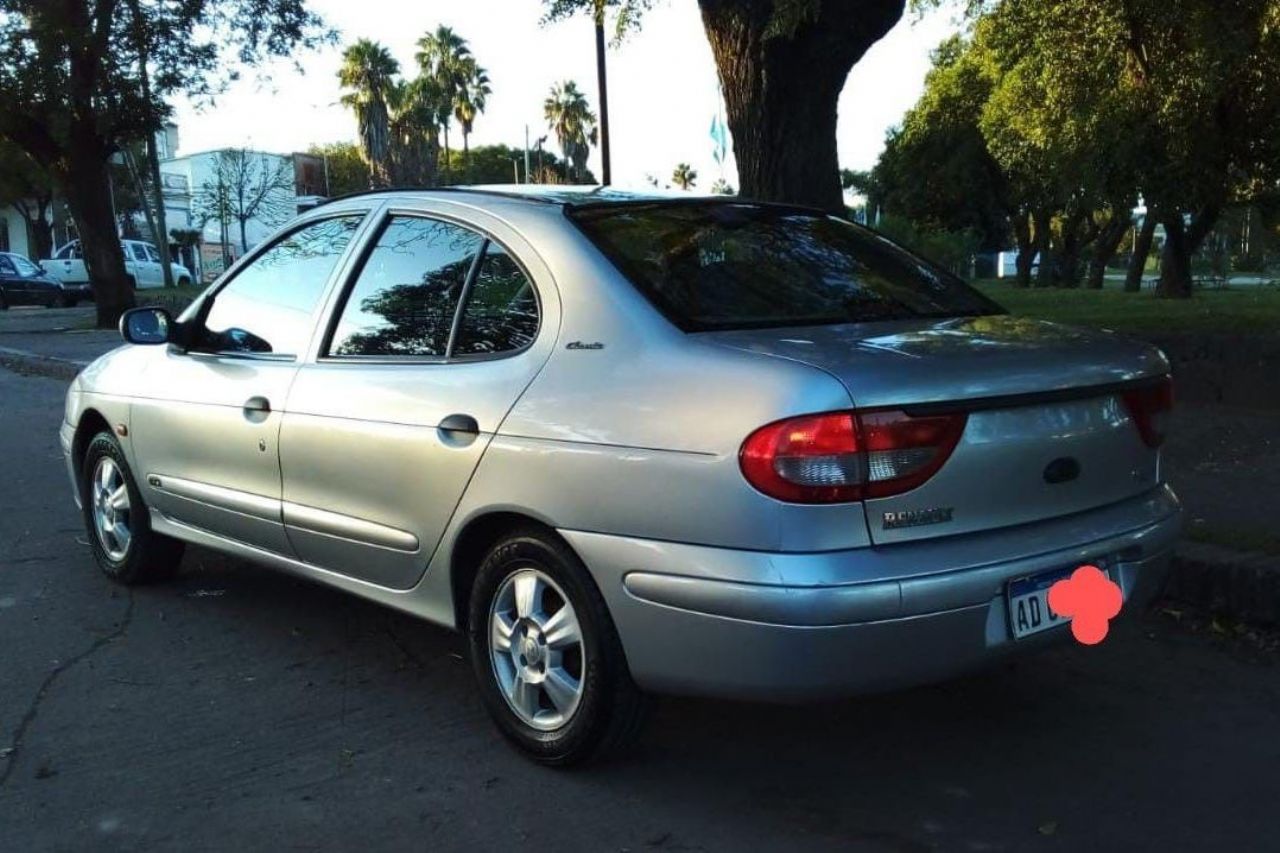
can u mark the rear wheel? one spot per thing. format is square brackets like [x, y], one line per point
[60, 300]
[118, 522]
[184, 282]
[546, 654]
[4, 303]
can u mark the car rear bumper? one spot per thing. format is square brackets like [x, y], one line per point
[708, 621]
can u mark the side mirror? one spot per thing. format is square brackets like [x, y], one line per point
[147, 326]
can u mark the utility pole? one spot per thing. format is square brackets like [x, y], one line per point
[526, 153]
[605, 172]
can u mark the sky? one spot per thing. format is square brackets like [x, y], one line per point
[663, 90]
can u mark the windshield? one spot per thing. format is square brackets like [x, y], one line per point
[731, 265]
[25, 267]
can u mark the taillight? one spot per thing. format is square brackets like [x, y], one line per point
[842, 457]
[1150, 408]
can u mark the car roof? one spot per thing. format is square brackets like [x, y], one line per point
[566, 196]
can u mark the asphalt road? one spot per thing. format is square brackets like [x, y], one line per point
[239, 709]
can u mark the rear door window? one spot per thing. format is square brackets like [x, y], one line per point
[406, 297]
[501, 314]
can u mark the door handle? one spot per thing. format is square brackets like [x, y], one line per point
[460, 423]
[258, 404]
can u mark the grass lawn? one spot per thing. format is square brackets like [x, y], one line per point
[1242, 310]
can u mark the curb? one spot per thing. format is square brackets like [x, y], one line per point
[1242, 585]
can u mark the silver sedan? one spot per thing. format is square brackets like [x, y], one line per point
[631, 445]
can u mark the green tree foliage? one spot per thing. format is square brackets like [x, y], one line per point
[345, 167]
[574, 124]
[72, 91]
[27, 189]
[937, 170]
[1098, 100]
[500, 164]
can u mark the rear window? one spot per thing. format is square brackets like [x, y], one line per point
[740, 266]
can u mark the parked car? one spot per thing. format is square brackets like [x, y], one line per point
[632, 445]
[141, 263]
[24, 283]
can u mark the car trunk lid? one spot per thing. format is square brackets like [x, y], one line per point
[1048, 432]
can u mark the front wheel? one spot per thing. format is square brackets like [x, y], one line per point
[118, 522]
[546, 654]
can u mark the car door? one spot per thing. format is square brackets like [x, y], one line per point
[145, 273]
[66, 266]
[206, 433]
[429, 347]
[13, 285]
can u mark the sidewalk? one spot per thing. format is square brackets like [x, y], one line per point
[64, 334]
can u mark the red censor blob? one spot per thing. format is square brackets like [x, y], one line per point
[1090, 599]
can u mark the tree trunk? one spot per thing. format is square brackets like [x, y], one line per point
[39, 230]
[1141, 251]
[1181, 243]
[782, 73]
[88, 195]
[448, 167]
[162, 227]
[606, 175]
[1026, 251]
[1066, 272]
[1044, 247]
[1104, 249]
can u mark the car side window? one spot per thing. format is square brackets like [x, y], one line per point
[501, 314]
[139, 251]
[152, 254]
[406, 297]
[6, 266]
[270, 304]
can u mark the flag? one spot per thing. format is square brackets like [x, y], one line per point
[719, 139]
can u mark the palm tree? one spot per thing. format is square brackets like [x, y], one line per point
[368, 73]
[570, 117]
[468, 103]
[445, 59]
[415, 150]
[684, 176]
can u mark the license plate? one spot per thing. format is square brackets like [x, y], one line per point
[1028, 600]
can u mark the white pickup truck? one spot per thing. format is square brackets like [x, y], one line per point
[141, 263]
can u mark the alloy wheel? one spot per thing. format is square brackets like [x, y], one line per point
[112, 513]
[536, 648]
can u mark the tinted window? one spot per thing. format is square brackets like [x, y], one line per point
[406, 297]
[723, 266]
[153, 254]
[268, 306]
[139, 251]
[25, 267]
[6, 266]
[502, 310]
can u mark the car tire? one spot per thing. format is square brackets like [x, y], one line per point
[133, 283]
[582, 718]
[124, 546]
[4, 303]
[184, 282]
[60, 300]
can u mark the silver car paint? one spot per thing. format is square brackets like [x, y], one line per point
[630, 451]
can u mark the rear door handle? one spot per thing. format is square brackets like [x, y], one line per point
[258, 404]
[460, 423]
